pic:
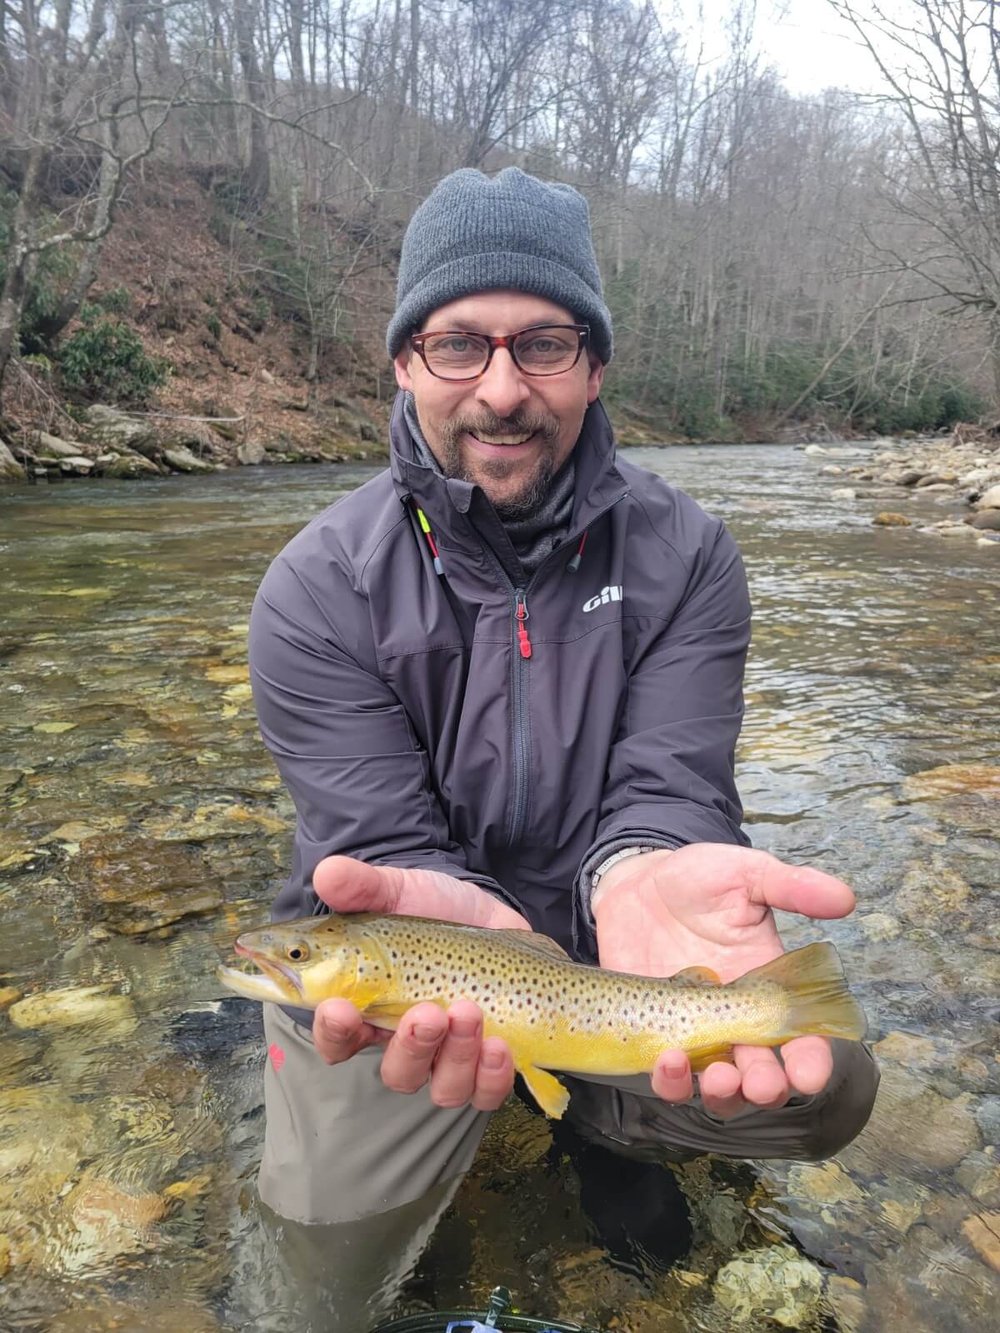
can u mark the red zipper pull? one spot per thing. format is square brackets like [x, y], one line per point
[521, 612]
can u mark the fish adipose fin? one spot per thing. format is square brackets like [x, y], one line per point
[818, 998]
[547, 1091]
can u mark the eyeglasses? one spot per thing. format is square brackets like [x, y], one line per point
[544, 349]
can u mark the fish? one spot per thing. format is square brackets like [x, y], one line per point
[554, 1013]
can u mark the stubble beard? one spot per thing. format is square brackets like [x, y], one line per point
[512, 505]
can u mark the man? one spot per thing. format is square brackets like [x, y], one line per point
[503, 684]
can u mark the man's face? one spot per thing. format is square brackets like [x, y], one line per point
[508, 432]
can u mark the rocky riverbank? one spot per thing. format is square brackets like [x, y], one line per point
[961, 471]
[110, 442]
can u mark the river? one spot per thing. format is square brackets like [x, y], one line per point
[144, 825]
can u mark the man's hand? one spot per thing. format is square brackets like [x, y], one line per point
[710, 905]
[446, 1050]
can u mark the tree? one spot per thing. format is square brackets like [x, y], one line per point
[73, 100]
[941, 62]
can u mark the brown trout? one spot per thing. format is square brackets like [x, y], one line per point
[552, 1012]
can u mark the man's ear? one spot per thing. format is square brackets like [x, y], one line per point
[595, 376]
[401, 365]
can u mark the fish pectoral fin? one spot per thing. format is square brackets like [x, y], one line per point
[546, 1089]
[384, 1015]
[697, 976]
[703, 1056]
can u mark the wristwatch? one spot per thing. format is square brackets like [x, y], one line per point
[613, 859]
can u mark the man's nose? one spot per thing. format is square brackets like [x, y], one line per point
[502, 387]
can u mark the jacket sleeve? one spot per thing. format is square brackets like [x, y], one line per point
[670, 778]
[344, 745]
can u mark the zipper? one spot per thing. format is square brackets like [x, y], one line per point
[521, 737]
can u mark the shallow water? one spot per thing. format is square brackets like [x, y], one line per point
[135, 789]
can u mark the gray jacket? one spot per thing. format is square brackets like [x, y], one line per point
[513, 736]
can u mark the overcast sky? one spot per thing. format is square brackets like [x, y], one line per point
[803, 39]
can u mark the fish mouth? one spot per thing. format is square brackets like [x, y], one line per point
[280, 974]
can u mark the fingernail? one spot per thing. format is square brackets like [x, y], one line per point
[464, 1027]
[425, 1032]
[674, 1068]
[335, 1031]
[492, 1059]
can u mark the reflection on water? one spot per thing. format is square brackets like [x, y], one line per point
[144, 826]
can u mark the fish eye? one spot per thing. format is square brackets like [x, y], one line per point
[298, 953]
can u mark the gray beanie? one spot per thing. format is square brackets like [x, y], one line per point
[474, 233]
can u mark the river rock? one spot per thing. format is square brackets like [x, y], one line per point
[888, 519]
[879, 926]
[76, 466]
[953, 780]
[930, 1284]
[10, 468]
[77, 1006]
[979, 1175]
[931, 890]
[844, 493]
[989, 499]
[776, 1284]
[913, 1125]
[183, 460]
[823, 1183]
[982, 1230]
[848, 1302]
[142, 885]
[89, 1313]
[117, 429]
[127, 466]
[952, 530]
[907, 1048]
[51, 446]
[251, 453]
[986, 519]
[988, 1118]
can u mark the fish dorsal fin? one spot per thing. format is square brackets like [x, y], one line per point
[530, 939]
[697, 976]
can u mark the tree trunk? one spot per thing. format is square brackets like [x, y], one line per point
[19, 260]
[257, 175]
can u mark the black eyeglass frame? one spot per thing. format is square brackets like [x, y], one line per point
[507, 340]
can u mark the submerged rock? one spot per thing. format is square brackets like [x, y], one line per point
[76, 1006]
[776, 1284]
[954, 780]
[913, 1126]
[141, 885]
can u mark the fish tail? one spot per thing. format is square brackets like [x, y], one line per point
[818, 998]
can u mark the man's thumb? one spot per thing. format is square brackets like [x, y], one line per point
[346, 885]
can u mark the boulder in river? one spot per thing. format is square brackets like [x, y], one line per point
[117, 429]
[10, 468]
[886, 518]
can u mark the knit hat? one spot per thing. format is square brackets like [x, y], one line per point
[475, 233]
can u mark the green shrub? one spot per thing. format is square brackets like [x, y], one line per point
[105, 358]
[116, 301]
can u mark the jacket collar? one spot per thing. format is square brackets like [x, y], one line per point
[446, 500]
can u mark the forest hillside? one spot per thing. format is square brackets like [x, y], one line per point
[201, 208]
